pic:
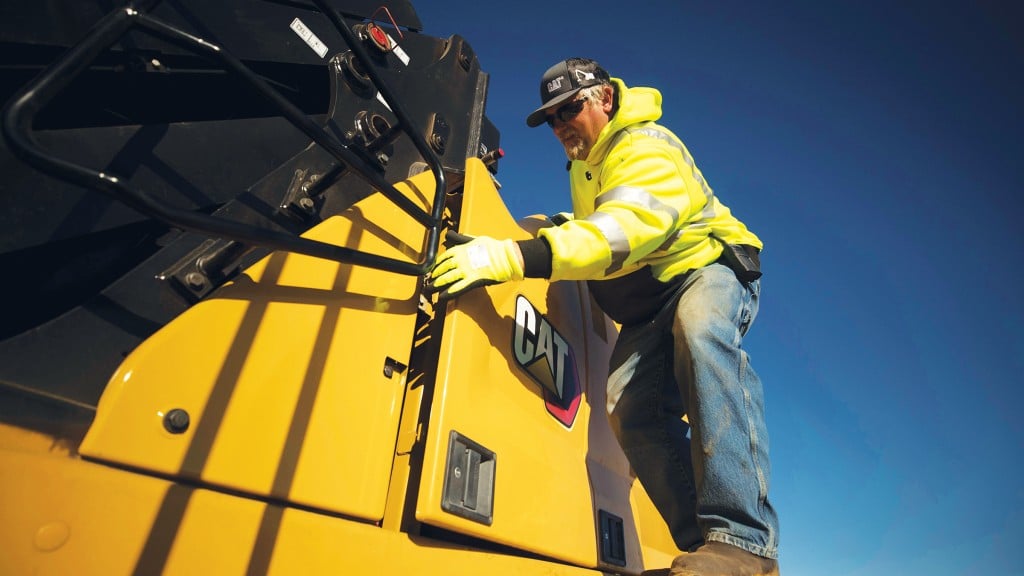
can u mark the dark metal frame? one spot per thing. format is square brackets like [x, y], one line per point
[19, 115]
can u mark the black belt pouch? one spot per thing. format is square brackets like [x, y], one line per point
[745, 261]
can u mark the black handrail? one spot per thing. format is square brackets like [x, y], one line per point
[20, 113]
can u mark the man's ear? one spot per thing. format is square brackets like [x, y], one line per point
[607, 98]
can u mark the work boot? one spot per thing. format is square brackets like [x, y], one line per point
[719, 559]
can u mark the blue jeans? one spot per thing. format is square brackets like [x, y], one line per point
[709, 478]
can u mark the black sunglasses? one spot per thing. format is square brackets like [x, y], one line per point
[567, 112]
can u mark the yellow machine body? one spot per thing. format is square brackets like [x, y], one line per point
[311, 417]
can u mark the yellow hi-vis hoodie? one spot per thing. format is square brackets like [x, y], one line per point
[644, 215]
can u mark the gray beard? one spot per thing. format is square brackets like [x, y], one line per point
[576, 151]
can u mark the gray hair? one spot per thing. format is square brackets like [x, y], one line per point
[593, 93]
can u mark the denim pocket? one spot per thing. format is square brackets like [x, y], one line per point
[750, 306]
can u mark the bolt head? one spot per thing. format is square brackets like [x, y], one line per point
[195, 280]
[176, 421]
[438, 142]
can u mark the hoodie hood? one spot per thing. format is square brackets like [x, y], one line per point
[636, 105]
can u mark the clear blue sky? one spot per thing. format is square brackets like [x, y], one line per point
[874, 147]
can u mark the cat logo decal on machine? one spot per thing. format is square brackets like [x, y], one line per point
[548, 358]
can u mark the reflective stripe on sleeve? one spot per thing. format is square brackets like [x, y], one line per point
[615, 236]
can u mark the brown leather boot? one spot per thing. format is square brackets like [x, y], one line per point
[719, 559]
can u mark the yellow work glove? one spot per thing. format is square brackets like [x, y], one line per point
[474, 262]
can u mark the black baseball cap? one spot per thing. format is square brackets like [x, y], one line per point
[562, 81]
